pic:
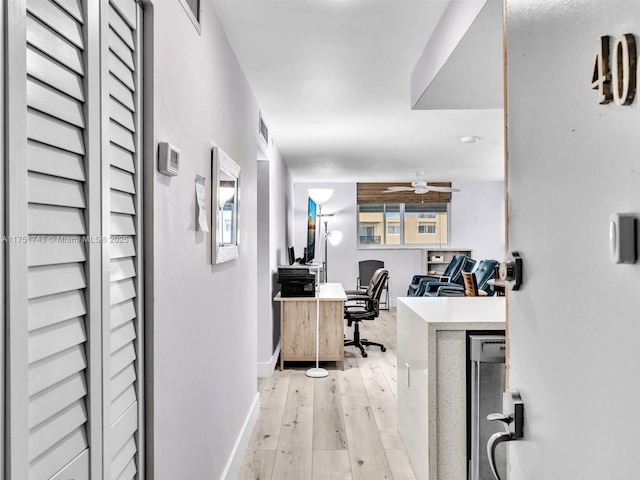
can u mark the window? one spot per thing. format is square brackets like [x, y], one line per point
[371, 225]
[425, 223]
[368, 235]
[393, 219]
[426, 229]
[403, 224]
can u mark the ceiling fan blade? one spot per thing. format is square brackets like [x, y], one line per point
[398, 189]
[434, 188]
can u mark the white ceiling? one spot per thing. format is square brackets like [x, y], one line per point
[332, 78]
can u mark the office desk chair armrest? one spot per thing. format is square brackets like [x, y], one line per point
[353, 293]
[356, 298]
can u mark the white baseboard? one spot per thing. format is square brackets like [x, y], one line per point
[242, 442]
[265, 369]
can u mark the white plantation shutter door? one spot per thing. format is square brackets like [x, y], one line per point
[57, 167]
[122, 141]
[74, 352]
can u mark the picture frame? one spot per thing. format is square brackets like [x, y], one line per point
[225, 174]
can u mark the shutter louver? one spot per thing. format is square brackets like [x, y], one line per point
[122, 153]
[56, 270]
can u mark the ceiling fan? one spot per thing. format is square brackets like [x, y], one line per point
[420, 186]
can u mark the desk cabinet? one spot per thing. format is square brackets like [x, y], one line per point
[298, 326]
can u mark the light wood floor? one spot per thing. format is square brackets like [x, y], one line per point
[344, 426]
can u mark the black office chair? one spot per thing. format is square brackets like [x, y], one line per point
[368, 309]
[366, 269]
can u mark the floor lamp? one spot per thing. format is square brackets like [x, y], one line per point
[334, 237]
[320, 196]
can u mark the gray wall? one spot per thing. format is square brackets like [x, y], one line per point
[203, 326]
[477, 223]
[574, 329]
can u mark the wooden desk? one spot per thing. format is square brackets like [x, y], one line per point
[298, 326]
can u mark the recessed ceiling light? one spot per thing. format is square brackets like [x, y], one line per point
[470, 139]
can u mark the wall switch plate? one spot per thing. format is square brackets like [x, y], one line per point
[168, 159]
[622, 238]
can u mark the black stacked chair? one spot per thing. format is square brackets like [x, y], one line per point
[368, 308]
[366, 269]
[365, 290]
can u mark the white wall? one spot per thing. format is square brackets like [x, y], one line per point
[281, 215]
[263, 280]
[477, 223]
[574, 327]
[203, 329]
[274, 235]
[477, 218]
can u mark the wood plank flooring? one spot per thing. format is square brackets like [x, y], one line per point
[342, 427]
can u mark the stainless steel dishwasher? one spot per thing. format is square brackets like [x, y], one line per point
[486, 385]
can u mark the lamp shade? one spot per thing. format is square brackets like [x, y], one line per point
[334, 237]
[320, 195]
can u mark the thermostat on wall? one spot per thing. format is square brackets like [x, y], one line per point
[168, 159]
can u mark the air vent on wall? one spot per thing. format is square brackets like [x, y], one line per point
[263, 130]
[194, 11]
[194, 6]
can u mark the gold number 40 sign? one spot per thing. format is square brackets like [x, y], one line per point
[616, 82]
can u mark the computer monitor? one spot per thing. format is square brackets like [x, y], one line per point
[311, 231]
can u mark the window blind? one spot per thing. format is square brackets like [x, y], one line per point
[368, 193]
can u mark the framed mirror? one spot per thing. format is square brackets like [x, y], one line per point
[224, 208]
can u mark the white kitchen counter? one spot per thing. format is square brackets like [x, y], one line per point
[432, 378]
